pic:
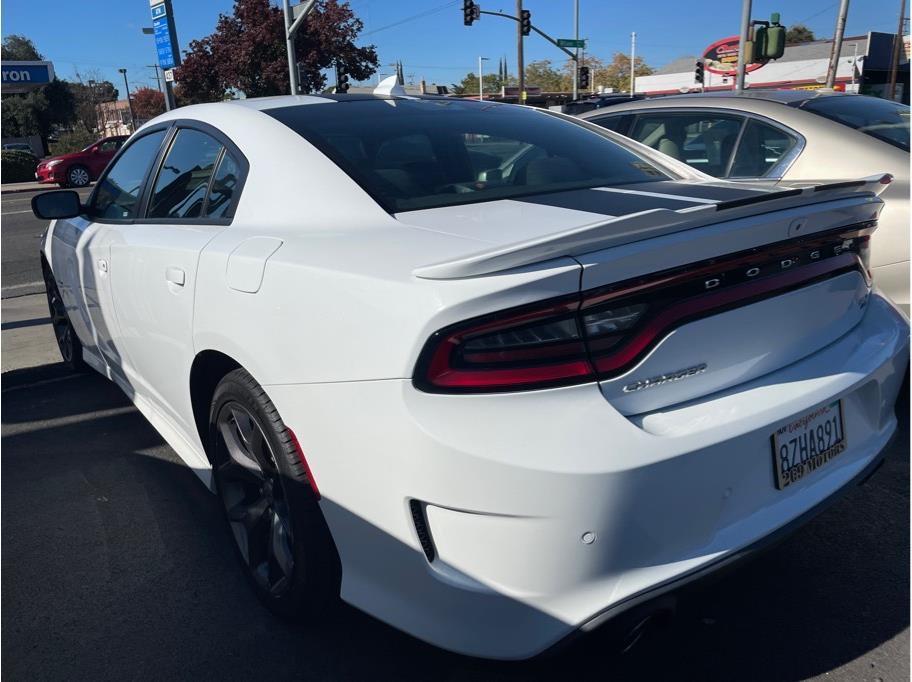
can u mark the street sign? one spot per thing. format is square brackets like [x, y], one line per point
[25, 76]
[169, 75]
[572, 42]
[165, 35]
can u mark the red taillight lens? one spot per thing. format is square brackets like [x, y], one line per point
[529, 347]
[604, 332]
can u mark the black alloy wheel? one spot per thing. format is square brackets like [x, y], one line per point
[273, 511]
[254, 498]
[67, 341]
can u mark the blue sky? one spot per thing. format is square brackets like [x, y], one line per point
[102, 35]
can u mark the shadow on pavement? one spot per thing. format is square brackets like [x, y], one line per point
[116, 563]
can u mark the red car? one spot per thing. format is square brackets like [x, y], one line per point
[79, 168]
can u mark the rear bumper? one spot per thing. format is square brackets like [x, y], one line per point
[549, 511]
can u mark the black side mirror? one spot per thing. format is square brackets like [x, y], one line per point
[54, 205]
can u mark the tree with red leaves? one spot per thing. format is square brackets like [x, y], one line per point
[147, 103]
[247, 52]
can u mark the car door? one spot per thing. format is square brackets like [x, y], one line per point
[80, 251]
[154, 263]
[102, 153]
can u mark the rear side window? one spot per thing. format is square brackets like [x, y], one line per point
[422, 153]
[183, 180]
[117, 196]
[761, 147]
[224, 187]
[702, 140]
[609, 122]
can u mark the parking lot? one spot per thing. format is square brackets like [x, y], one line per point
[116, 562]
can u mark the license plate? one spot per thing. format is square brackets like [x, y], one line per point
[804, 445]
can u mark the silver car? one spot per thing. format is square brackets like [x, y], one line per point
[775, 135]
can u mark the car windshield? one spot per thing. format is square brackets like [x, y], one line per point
[880, 118]
[424, 153]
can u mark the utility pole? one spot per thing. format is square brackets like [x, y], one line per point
[742, 45]
[633, 48]
[292, 24]
[897, 46]
[157, 77]
[129, 101]
[481, 79]
[837, 42]
[576, 37]
[519, 53]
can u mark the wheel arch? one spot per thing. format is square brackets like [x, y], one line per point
[208, 368]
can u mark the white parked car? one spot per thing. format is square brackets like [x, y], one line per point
[487, 373]
[768, 136]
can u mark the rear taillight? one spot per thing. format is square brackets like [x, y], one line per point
[528, 347]
[603, 332]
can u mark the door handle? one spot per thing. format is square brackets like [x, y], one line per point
[176, 276]
[102, 265]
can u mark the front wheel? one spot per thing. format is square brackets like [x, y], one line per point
[78, 176]
[281, 537]
[67, 341]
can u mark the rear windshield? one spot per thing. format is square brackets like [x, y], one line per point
[425, 153]
[880, 118]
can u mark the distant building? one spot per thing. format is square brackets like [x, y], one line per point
[864, 61]
[114, 118]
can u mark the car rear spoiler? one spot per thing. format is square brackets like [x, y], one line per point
[652, 223]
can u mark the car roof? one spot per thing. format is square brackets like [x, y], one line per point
[795, 98]
[278, 101]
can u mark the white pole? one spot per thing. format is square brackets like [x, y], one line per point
[837, 43]
[576, 63]
[481, 78]
[742, 44]
[633, 47]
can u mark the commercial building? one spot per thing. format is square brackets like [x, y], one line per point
[864, 66]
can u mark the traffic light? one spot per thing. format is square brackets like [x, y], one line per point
[775, 38]
[470, 12]
[583, 81]
[341, 79]
[525, 22]
[698, 72]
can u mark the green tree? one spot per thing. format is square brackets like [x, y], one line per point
[246, 52]
[541, 74]
[18, 48]
[493, 82]
[616, 73]
[799, 33]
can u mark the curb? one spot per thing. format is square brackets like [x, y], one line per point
[19, 190]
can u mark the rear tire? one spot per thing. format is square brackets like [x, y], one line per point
[78, 176]
[67, 342]
[281, 537]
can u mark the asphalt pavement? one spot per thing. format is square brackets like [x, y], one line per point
[20, 234]
[117, 564]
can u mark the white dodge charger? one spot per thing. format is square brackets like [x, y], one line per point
[490, 374]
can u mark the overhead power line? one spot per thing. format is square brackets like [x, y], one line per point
[420, 15]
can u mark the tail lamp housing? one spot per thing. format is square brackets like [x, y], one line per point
[603, 332]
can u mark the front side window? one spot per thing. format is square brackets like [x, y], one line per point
[702, 140]
[110, 145]
[760, 149]
[183, 180]
[118, 193]
[425, 153]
